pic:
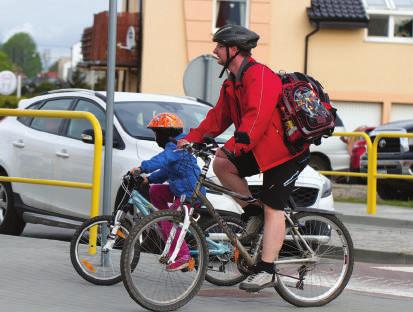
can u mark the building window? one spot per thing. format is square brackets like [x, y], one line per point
[230, 12]
[390, 20]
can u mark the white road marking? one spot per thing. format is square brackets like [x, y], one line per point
[398, 269]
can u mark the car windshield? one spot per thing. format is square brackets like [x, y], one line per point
[135, 116]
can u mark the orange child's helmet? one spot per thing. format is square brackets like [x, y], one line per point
[166, 120]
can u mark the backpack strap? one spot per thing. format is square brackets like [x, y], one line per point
[245, 68]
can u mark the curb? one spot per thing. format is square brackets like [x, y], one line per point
[375, 221]
[380, 257]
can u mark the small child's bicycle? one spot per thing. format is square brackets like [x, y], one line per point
[101, 266]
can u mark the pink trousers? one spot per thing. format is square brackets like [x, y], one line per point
[160, 195]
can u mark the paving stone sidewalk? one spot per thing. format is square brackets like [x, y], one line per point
[386, 236]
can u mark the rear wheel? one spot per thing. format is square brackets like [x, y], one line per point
[323, 277]
[222, 265]
[387, 191]
[10, 222]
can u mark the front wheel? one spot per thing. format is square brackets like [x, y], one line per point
[93, 265]
[324, 276]
[222, 267]
[156, 283]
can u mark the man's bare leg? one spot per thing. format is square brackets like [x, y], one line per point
[228, 175]
[274, 232]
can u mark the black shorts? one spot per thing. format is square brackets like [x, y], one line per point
[278, 181]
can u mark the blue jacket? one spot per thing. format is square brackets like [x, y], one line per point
[178, 167]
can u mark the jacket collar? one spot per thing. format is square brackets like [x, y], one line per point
[236, 78]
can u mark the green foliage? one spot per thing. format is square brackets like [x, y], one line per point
[9, 101]
[22, 51]
[44, 87]
[5, 62]
[78, 80]
[53, 67]
[101, 84]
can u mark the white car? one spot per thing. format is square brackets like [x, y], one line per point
[52, 148]
[332, 153]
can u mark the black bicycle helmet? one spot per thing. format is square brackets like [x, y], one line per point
[235, 35]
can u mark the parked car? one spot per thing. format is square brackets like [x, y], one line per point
[52, 148]
[394, 156]
[357, 147]
[332, 153]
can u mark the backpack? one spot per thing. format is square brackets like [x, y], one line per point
[305, 109]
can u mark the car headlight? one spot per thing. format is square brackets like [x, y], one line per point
[327, 188]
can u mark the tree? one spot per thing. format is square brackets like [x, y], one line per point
[5, 62]
[54, 67]
[78, 80]
[22, 51]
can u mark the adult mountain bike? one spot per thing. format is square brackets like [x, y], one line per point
[101, 266]
[314, 265]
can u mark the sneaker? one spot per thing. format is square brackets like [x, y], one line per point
[258, 281]
[179, 264]
[252, 228]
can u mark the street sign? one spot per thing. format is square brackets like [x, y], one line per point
[8, 82]
[201, 78]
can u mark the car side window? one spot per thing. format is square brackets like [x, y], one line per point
[77, 126]
[27, 120]
[51, 125]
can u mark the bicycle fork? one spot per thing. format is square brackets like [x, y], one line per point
[167, 257]
[115, 232]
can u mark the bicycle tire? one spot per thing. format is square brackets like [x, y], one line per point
[338, 250]
[143, 288]
[85, 267]
[228, 274]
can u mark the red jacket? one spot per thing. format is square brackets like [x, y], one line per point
[256, 114]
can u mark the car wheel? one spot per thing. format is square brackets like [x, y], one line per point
[10, 222]
[319, 163]
[387, 192]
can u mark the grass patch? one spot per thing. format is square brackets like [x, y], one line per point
[398, 203]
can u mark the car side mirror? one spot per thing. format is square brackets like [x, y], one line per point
[88, 136]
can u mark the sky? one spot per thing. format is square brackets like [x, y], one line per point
[55, 25]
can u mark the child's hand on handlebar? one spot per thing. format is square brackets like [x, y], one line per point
[181, 143]
[137, 172]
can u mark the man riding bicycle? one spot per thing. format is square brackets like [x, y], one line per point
[248, 99]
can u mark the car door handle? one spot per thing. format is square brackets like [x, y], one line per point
[18, 143]
[63, 154]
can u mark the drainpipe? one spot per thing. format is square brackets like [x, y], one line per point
[139, 48]
[306, 46]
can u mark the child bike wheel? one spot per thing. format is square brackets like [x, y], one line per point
[324, 276]
[89, 264]
[152, 284]
[222, 267]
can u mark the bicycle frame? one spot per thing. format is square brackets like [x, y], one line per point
[203, 181]
[143, 207]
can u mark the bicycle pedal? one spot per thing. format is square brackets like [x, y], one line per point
[164, 260]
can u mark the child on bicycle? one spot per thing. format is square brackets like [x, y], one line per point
[178, 168]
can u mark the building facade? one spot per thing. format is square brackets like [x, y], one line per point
[363, 58]
[94, 50]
